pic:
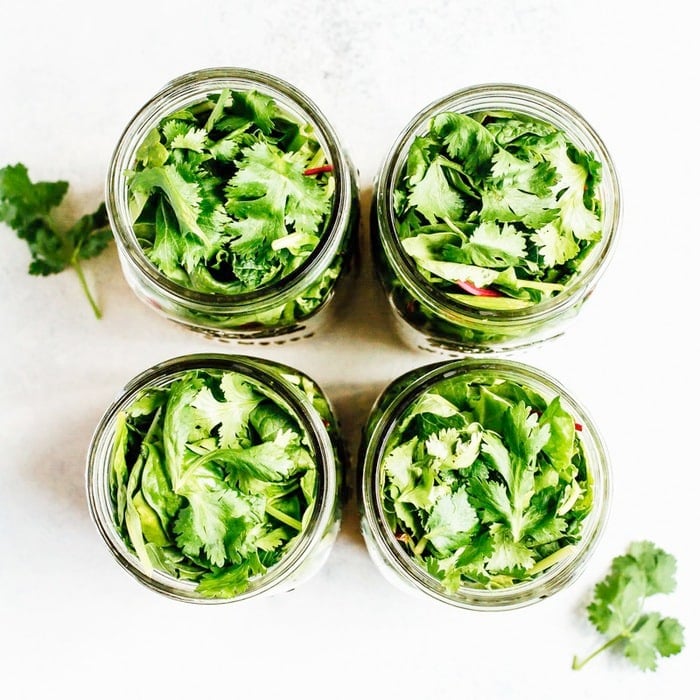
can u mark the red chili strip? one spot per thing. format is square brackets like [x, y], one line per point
[320, 169]
[477, 291]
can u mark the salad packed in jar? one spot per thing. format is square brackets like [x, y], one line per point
[494, 215]
[216, 478]
[484, 484]
[234, 205]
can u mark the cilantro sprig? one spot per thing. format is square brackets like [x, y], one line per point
[485, 483]
[497, 209]
[618, 608]
[230, 194]
[212, 479]
[27, 207]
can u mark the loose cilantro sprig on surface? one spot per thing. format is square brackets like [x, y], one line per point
[212, 480]
[617, 609]
[485, 483]
[26, 207]
[230, 194]
[497, 209]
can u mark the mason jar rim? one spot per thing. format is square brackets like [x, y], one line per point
[185, 90]
[518, 595]
[259, 371]
[531, 102]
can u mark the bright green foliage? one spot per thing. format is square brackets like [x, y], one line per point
[212, 480]
[219, 197]
[484, 482]
[617, 609]
[26, 207]
[498, 200]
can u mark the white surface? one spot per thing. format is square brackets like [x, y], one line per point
[72, 623]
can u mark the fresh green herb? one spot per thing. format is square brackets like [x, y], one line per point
[484, 482]
[230, 194]
[212, 479]
[617, 609]
[26, 207]
[497, 209]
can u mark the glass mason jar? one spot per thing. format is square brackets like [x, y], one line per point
[293, 306]
[431, 319]
[317, 526]
[387, 537]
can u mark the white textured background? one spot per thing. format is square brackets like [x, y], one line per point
[72, 623]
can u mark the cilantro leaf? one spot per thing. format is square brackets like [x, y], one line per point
[268, 461]
[232, 580]
[451, 522]
[465, 139]
[26, 207]
[192, 140]
[433, 197]
[659, 567]
[22, 201]
[421, 154]
[509, 556]
[617, 609]
[230, 416]
[270, 189]
[570, 191]
[520, 191]
[556, 246]
[494, 246]
[212, 517]
[90, 235]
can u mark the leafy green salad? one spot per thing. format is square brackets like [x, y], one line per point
[212, 479]
[230, 194]
[484, 482]
[497, 209]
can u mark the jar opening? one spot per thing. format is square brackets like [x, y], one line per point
[557, 571]
[182, 93]
[270, 379]
[518, 100]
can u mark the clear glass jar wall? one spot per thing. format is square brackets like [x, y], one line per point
[433, 320]
[438, 476]
[292, 306]
[266, 385]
